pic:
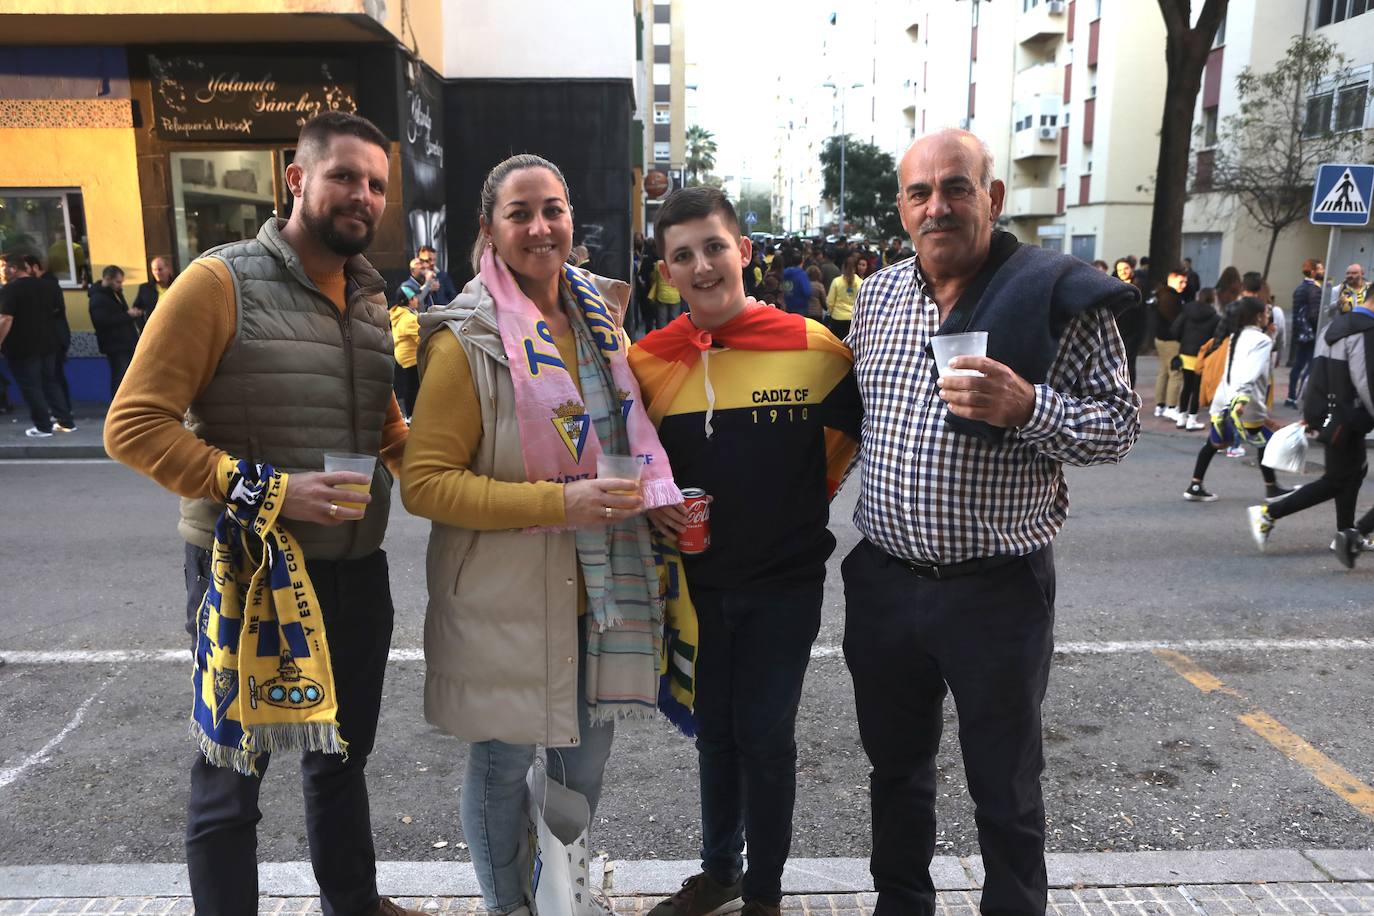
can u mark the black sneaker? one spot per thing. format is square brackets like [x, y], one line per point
[702, 895]
[1347, 545]
[1274, 491]
[1289, 402]
[1197, 494]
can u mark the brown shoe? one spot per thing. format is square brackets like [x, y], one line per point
[388, 907]
[701, 895]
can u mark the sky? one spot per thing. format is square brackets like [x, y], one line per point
[737, 49]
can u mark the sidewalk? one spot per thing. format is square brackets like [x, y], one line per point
[1230, 882]
[84, 443]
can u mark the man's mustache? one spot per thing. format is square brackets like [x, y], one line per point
[936, 223]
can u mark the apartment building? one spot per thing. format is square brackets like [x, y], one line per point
[667, 148]
[1256, 34]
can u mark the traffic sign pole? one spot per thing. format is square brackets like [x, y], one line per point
[1333, 239]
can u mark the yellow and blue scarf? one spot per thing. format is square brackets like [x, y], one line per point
[263, 680]
[677, 685]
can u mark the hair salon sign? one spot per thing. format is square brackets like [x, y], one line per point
[212, 97]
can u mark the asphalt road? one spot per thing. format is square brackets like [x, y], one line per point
[1138, 756]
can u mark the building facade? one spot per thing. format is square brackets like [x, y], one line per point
[139, 128]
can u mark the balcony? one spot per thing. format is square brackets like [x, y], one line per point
[1038, 80]
[1035, 141]
[1043, 21]
[1033, 203]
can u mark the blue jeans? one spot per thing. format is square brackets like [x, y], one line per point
[755, 647]
[495, 804]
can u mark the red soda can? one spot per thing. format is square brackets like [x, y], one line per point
[696, 537]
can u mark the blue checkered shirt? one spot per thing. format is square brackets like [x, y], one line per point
[934, 496]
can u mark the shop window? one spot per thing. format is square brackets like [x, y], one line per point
[1318, 115]
[220, 196]
[1350, 105]
[51, 224]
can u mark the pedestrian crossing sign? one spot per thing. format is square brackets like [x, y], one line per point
[1342, 195]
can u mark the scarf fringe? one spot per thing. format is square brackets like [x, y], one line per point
[673, 710]
[604, 713]
[237, 759]
[660, 492]
[298, 736]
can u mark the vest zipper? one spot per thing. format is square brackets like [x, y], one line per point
[345, 324]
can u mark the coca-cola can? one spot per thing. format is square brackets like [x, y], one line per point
[696, 537]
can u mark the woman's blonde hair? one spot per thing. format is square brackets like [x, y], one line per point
[492, 186]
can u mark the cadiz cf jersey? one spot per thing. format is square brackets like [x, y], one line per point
[763, 414]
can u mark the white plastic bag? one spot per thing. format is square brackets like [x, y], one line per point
[1287, 449]
[560, 878]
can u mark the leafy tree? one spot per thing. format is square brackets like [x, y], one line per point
[701, 154]
[1185, 57]
[1266, 155]
[761, 204]
[870, 184]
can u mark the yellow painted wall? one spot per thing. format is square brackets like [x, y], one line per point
[423, 28]
[101, 162]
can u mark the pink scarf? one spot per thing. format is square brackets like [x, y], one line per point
[557, 436]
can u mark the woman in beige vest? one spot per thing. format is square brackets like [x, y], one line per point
[518, 613]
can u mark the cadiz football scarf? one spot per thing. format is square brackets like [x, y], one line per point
[677, 685]
[263, 680]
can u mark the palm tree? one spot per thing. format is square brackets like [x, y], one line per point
[701, 153]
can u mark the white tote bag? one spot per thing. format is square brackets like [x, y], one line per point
[1287, 449]
[560, 880]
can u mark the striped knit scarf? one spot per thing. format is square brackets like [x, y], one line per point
[263, 680]
[625, 646]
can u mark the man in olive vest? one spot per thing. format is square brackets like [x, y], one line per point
[277, 350]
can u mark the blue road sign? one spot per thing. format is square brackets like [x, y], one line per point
[751, 217]
[1342, 195]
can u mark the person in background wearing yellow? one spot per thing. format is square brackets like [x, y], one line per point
[544, 622]
[840, 300]
[276, 351]
[405, 339]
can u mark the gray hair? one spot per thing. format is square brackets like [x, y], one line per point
[492, 186]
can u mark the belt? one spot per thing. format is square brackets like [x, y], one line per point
[952, 570]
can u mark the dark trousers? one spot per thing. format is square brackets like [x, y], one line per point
[987, 638]
[37, 380]
[406, 383]
[754, 649]
[1345, 470]
[839, 328]
[1302, 360]
[1188, 395]
[60, 367]
[119, 364]
[222, 817]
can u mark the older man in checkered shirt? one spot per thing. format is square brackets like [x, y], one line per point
[952, 588]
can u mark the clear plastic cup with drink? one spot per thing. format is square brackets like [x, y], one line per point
[619, 467]
[948, 346]
[358, 464]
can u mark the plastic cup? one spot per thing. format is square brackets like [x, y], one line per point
[358, 464]
[948, 346]
[618, 467]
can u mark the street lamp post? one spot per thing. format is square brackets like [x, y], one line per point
[843, 139]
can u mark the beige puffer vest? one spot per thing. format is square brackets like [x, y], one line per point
[501, 627]
[299, 380]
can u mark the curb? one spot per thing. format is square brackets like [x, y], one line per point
[658, 877]
[29, 452]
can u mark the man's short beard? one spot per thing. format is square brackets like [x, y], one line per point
[321, 226]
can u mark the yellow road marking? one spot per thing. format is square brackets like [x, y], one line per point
[1293, 746]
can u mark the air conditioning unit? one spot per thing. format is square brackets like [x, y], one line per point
[1055, 7]
[1049, 133]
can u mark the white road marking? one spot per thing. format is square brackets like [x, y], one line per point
[1125, 647]
[9, 775]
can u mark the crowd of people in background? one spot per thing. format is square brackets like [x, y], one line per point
[1219, 349]
[816, 277]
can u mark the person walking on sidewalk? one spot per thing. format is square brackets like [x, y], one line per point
[1238, 410]
[1338, 408]
[1307, 307]
[757, 407]
[1193, 328]
[952, 587]
[29, 340]
[543, 625]
[248, 344]
[116, 323]
[1169, 378]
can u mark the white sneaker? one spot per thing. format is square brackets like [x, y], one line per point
[1159, 410]
[33, 432]
[1171, 413]
[1236, 451]
[1193, 425]
[1260, 525]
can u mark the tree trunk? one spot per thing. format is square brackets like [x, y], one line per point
[1269, 255]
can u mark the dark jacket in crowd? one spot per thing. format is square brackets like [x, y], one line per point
[1194, 326]
[146, 300]
[64, 330]
[32, 304]
[1307, 309]
[115, 330]
[1168, 306]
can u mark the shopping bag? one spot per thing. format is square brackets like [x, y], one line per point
[1287, 449]
[560, 879]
